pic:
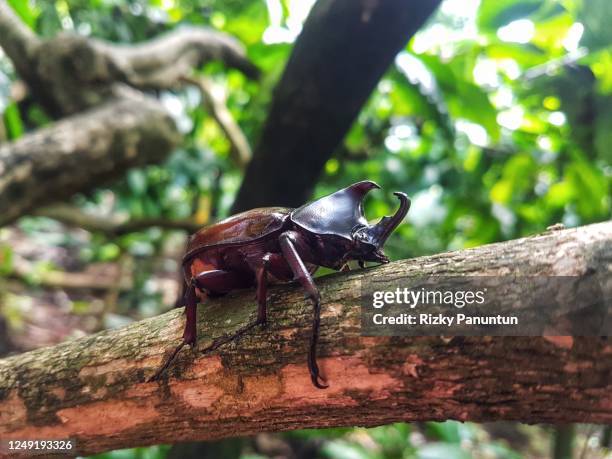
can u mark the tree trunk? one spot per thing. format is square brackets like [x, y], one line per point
[345, 48]
[94, 389]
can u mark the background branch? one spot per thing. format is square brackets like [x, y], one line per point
[94, 389]
[215, 105]
[26, 271]
[112, 227]
[82, 152]
[162, 62]
[117, 127]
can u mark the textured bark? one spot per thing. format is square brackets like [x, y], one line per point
[114, 126]
[82, 151]
[72, 73]
[69, 73]
[94, 389]
[337, 60]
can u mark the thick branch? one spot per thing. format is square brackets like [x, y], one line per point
[94, 389]
[162, 62]
[337, 60]
[70, 73]
[82, 152]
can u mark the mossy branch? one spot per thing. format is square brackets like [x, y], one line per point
[94, 389]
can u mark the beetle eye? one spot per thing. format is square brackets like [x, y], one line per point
[360, 235]
[357, 231]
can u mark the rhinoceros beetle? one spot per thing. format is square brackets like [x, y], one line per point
[277, 244]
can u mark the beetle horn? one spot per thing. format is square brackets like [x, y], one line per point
[362, 188]
[381, 231]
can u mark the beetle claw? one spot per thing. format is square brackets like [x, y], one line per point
[315, 381]
[158, 374]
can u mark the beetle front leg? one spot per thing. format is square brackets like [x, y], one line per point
[288, 241]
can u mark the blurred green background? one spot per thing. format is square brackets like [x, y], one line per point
[496, 119]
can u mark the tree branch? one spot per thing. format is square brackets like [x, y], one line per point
[82, 152]
[94, 279]
[112, 227]
[215, 105]
[94, 390]
[162, 62]
[117, 126]
[69, 73]
[341, 54]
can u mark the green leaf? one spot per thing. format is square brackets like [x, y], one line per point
[596, 16]
[591, 189]
[526, 55]
[559, 194]
[6, 260]
[137, 181]
[447, 431]
[603, 133]
[12, 120]
[471, 102]
[25, 11]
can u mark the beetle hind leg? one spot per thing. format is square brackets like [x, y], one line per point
[189, 333]
[261, 277]
[213, 282]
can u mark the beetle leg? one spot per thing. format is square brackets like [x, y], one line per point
[213, 282]
[189, 333]
[261, 277]
[288, 241]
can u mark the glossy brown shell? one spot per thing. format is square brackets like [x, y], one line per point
[241, 228]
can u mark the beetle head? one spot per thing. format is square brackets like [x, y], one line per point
[341, 214]
[370, 239]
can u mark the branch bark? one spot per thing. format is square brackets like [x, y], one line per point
[69, 73]
[94, 390]
[81, 152]
[117, 126]
[341, 54]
